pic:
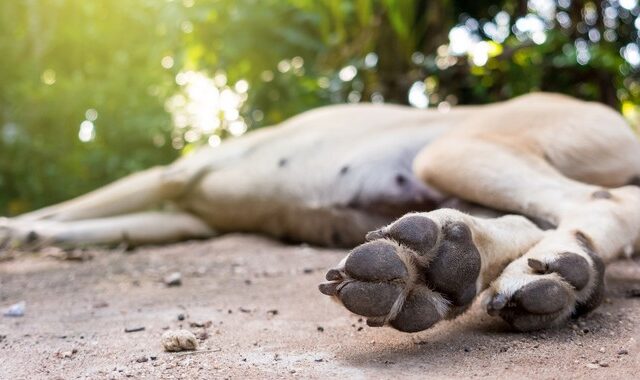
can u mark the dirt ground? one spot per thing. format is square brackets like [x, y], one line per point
[255, 307]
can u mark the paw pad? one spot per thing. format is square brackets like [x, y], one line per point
[417, 232]
[571, 266]
[375, 261]
[418, 312]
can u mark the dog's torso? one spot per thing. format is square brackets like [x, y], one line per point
[326, 176]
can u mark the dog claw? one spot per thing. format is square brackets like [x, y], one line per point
[375, 322]
[497, 303]
[333, 275]
[329, 288]
[537, 265]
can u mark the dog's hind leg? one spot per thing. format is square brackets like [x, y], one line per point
[563, 273]
[420, 269]
[148, 227]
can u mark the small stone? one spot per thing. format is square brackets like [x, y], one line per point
[142, 359]
[133, 329]
[272, 312]
[604, 364]
[205, 325]
[320, 329]
[173, 279]
[593, 365]
[633, 293]
[179, 340]
[307, 271]
[181, 317]
[66, 354]
[623, 352]
[16, 310]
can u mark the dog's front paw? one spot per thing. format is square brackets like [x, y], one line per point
[543, 289]
[412, 273]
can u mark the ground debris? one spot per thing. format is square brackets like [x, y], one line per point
[179, 340]
[134, 329]
[142, 359]
[67, 255]
[633, 293]
[16, 310]
[66, 354]
[205, 325]
[173, 279]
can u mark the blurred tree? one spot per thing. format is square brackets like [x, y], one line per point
[92, 90]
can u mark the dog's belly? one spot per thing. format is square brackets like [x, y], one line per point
[326, 180]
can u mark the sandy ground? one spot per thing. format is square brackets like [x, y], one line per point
[261, 316]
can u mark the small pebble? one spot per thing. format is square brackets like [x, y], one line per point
[67, 354]
[181, 317]
[623, 352]
[179, 340]
[16, 310]
[133, 329]
[142, 359]
[320, 328]
[632, 293]
[173, 279]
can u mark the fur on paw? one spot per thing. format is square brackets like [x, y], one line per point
[544, 288]
[410, 274]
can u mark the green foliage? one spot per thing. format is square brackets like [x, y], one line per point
[64, 60]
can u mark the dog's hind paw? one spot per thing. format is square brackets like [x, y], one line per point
[411, 274]
[544, 288]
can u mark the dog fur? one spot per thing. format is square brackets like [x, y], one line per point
[328, 176]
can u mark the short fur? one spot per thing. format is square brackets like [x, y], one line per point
[332, 174]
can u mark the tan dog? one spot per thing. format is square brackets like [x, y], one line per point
[330, 175]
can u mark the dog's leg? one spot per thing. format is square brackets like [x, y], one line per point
[563, 273]
[148, 188]
[132, 193]
[427, 272]
[137, 228]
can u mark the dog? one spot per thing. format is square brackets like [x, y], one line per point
[527, 199]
